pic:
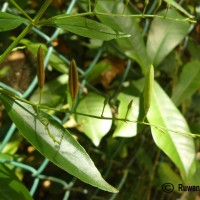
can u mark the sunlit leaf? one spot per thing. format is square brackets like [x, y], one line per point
[178, 147]
[127, 129]
[94, 128]
[165, 35]
[54, 142]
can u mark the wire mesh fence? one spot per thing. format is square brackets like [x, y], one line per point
[68, 189]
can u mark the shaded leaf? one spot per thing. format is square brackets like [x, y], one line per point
[133, 46]
[86, 27]
[164, 36]
[68, 155]
[178, 147]
[9, 22]
[167, 175]
[188, 83]
[11, 187]
[94, 128]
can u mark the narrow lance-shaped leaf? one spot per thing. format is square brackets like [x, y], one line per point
[148, 89]
[178, 147]
[73, 81]
[84, 27]
[69, 155]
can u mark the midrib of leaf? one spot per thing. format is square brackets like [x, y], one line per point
[86, 28]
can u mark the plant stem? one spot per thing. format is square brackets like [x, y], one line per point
[41, 11]
[25, 31]
[20, 9]
[36, 106]
[15, 43]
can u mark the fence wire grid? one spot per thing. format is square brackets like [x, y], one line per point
[38, 174]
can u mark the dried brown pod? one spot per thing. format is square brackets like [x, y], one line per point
[73, 80]
[40, 67]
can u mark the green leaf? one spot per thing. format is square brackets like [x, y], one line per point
[133, 46]
[9, 22]
[94, 128]
[127, 129]
[178, 147]
[167, 175]
[193, 48]
[11, 187]
[188, 83]
[178, 7]
[41, 133]
[86, 27]
[165, 35]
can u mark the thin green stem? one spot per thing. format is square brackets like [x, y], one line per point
[41, 11]
[40, 97]
[25, 31]
[15, 42]
[46, 22]
[36, 106]
[20, 9]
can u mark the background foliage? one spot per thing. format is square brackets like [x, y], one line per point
[113, 45]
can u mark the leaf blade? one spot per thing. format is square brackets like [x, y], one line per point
[164, 36]
[188, 83]
[132, 46]
[95, 129]
[178, 147]
[127, 129]
[69, 155]
[9, 21]
[11, 187]
[86, 27]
